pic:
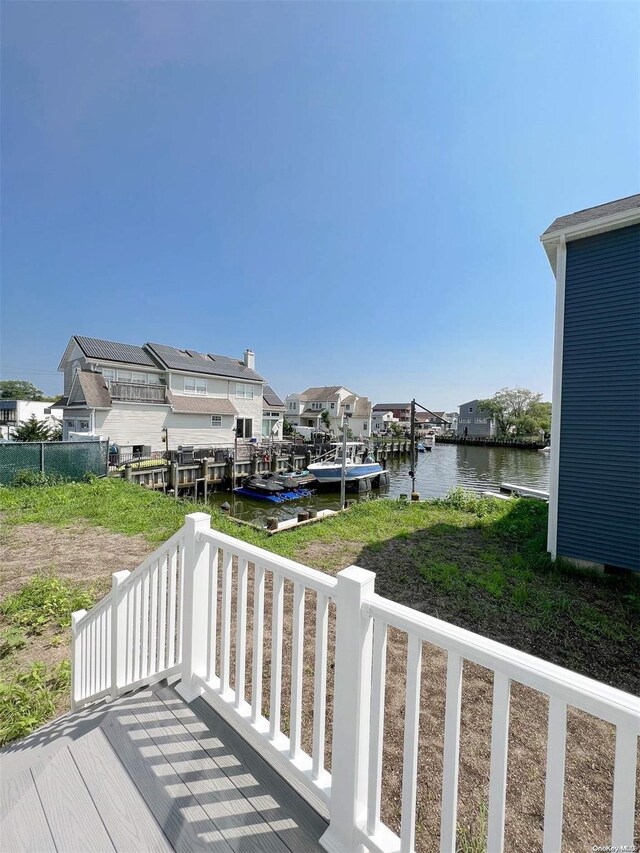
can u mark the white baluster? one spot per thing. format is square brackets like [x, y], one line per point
[241, 629]
[498, 771]
[410, 757]
[320, 684]
[276, 655]
[296, 670]
[258, 642]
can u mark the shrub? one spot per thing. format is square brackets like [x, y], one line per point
[27, 477]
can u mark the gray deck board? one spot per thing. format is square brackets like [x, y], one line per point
[237, 818]
[71, 814]
[147, 773]
[126, 817]
[23, 825]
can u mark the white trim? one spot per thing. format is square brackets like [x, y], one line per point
[551, 240]
[556, 398]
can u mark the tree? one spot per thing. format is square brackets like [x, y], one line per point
[19, 389]
[287, 428]
[517, 411]
[32, 430]
[326, 419]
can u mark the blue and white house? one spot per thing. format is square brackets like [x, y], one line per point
[594, 484]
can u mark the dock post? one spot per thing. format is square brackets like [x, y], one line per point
[274, 461]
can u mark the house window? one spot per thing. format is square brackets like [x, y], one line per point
[195, 386]
[216, 421]
[244, 428]
[138, 378]
[244, 391]
[364, 425]
[333, 405]
[108, 373]
[83, 425]
[470, 409]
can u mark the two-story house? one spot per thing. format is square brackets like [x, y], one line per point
[156, 396]
[472, 421]
[305, 409]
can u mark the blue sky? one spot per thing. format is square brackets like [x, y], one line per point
[353, 190]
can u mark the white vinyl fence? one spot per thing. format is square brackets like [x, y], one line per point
[185, 611]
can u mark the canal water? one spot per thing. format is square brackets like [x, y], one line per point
[444, 468]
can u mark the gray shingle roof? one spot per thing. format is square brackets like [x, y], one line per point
[388, 407]
[94, 389]
[113, 351]
[196, 362]
[581, 217]
[201, 405]
[271, 398]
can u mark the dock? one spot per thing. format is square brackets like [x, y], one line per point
[524, 491]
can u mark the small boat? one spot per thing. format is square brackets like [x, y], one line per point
[272, 487]
[330, 470]
[420, 447]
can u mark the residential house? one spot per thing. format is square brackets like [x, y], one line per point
[452, 418]
[473, 422]
[155, 396]
[382, 421]
[400, 411]
[272, 414]
[594, 486]
[305, 409]
[427, 420]
[14, 412]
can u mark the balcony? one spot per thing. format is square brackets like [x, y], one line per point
[131, 392]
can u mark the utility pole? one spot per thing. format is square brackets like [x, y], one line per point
[343, 472]
[412, 473]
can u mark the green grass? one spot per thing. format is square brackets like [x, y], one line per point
[45, 600]
[30, 697]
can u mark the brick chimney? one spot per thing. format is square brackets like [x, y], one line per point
[250, 359]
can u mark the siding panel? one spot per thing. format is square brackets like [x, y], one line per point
[599, 479]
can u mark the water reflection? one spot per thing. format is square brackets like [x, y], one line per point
[438, 472]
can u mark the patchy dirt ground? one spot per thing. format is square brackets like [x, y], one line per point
[90, 555]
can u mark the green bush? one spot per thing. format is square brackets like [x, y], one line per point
[29, 698]
[43, 600]
[27, 477]
[11, 641]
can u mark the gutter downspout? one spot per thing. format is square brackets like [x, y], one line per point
[556, 396]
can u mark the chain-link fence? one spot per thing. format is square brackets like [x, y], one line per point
[68, 459]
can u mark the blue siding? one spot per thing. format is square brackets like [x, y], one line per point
[599, 479]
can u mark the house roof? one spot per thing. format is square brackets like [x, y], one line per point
[200, 405]
[320, 393]
[60, 403]
[388, 407]
[271, 399]
[362, 408]
[113, 351]
[196, 362]
[590, 214]
[94, 389]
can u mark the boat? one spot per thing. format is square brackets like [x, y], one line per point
[272, 487]
[330, 470]
[428, 442]
[420, 447]
[546, 449]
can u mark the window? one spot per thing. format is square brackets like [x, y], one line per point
[244, 428]
[83, 425]
[153, 379]
[138, 378]
[108, 373]
[245, 391]
[216, 421]
[364, 425]
[70, 424]
[470, 409]
[195, 386]
[7, 416]
[333, 405]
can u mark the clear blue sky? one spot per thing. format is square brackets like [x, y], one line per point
[355, 191]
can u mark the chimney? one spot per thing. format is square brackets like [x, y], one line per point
[250, 359]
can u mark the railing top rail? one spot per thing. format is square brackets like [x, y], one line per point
[96, 610]
[312, 578]
[592, 696]
[155, 555]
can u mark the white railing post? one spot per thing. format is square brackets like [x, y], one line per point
[352, 705]
[195, 606]
[118, 634]
[76, 666]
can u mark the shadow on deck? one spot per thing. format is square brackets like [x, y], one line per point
[147, 773]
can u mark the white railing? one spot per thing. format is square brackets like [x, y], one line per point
[216, 611]
[134, 635]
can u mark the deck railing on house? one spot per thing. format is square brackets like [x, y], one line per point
[136, 392]
[189, 610]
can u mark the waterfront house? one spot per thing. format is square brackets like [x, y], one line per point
[452, 418]
[594, 483]
[473, 422]
[152, 397]
[381, 421]
[427, 420]
[305, 409]
[400, 411]
[14, 412]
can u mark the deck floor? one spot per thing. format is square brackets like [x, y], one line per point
[147, 773]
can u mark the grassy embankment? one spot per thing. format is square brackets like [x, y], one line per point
[477, 562]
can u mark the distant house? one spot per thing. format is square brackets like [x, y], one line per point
[305, 409]
[382, 421]
[594, 485]
[14, 412]
[432, 420]
[473, 422]
[452, 418]
[272, 414]
[156, 396]
[400, 411]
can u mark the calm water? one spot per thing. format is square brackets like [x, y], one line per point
[438, 472]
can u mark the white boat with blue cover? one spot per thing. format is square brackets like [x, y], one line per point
[330, 470]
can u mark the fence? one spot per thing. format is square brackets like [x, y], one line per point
[68, 459]
[189, 609]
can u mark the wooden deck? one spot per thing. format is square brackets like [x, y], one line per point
[147, 773]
